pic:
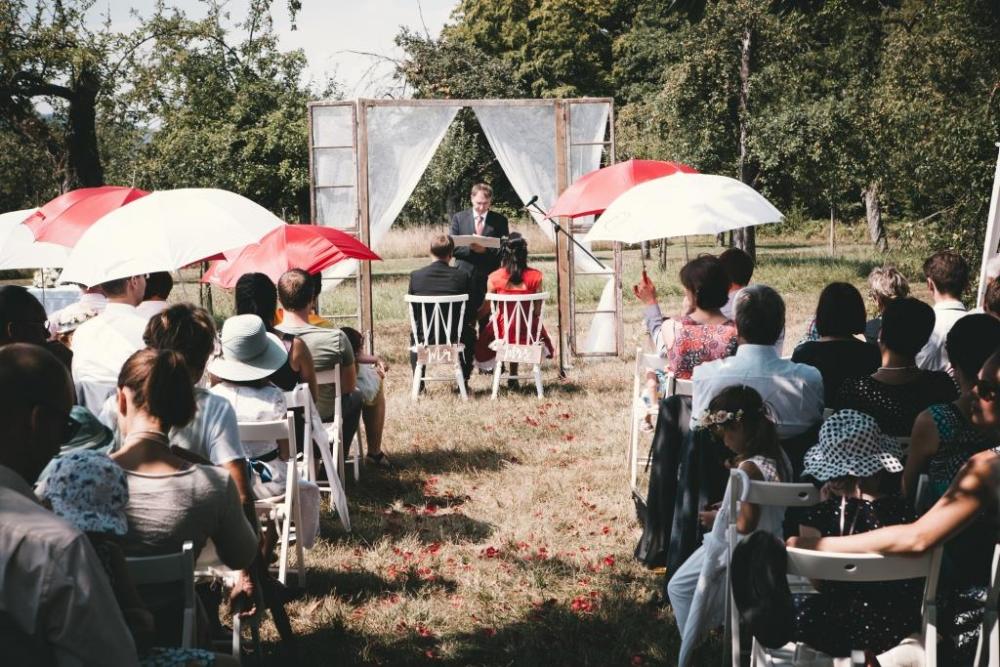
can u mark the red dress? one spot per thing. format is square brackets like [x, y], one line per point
[498, 282]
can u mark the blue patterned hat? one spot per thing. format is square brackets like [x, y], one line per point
[90, 491]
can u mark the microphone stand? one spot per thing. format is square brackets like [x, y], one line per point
[559, 228]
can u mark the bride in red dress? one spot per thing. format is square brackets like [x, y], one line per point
[513, 277]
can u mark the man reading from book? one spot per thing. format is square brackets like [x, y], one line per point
[475, 259]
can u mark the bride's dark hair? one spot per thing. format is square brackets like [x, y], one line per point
[514, 257]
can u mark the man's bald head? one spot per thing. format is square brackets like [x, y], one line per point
[36, 396]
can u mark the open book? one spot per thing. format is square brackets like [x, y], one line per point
[469, 239]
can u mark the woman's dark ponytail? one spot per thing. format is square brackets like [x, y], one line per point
[514, 257]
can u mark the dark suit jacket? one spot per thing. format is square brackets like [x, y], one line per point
[464, 223]
[440, 279]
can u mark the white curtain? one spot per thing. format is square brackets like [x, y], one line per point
[524, 141]
[401, 142]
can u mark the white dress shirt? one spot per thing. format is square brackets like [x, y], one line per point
[794, 392]
[149, 308]
[101, 345]
[934, 357]
[53, 586]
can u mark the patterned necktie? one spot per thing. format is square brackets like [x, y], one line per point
[479, 225]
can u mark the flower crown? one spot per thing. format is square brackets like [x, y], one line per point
[709, 418]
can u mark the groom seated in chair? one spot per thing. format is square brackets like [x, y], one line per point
[440, 278]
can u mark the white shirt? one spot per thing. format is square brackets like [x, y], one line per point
[213, 434]
[149, 308]
[793, 392]
[101, 345]
[53, 586]
[934, 356]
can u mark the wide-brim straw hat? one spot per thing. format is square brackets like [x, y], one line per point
[249, 352]
[852, 444]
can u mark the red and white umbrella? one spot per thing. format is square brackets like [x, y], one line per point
[64, 219]
[594, 191]
[18, 248]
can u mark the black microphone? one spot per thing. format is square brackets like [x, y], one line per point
[531, 201]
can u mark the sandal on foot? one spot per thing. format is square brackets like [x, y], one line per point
[380, 460]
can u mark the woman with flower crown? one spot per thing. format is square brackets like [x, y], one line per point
[697, 590]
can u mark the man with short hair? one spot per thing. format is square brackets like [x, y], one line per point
[793, 391]
[158, 288]
[739, 267]
[440, 278]
[53, 588]
[102, 344]
[476, 260]
[328, 348]
[947, 276]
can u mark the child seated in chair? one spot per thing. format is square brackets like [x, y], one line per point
[697, 590]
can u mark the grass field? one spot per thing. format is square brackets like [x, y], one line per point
[505, 534]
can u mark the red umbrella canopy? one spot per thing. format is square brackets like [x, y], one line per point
[593, 192]
[309, 247]
[64, 219]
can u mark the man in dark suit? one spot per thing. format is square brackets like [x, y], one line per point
[478, 261]
[440, 278]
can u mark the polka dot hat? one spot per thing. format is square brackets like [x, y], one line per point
[851, 443]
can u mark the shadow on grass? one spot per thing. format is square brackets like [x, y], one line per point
[861, 267]
[362, 586]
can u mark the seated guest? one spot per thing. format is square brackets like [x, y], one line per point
[22, 320]
[213, 435]
[793, 391]
[172, 500]
[885, 283]
[898, 391]
[158, 288]
[440, 278]
[513, 277]
[53, 589]
[947, 276]
[991, 298]
[255, 294]
[102, 344]
[371, 372]
[250, 356]
[854, 460]
[697, 590]
[943, 436]
[327, 347]
[840, 314]
[739, 268]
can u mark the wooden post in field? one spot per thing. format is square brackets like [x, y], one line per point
[564, 251]
[833, 232]
[364, 227]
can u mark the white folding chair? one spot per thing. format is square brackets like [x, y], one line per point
[921, 499]
[520, 341]
[170, 569]
[988, 648]
[770, 494]
[335, 430]
[284, 509]
[644, 362]
[440, 317]
[827, 566]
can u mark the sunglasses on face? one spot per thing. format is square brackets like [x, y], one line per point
[986, 390]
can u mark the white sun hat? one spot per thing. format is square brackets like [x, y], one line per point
[249, 352]
[851, 443]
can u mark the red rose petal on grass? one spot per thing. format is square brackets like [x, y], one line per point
[531, 421]
[565, 415]
[606, 530]
[430, 509]
[569, 437]
[489, 632]
[424, 631]
[430, 654]
[637, 660]
[490, 552]
[434, 547]
[609, 561]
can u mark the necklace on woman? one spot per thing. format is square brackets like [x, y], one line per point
[898, 368]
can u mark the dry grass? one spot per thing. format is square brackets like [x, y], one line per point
[505, 534]
[401, 243]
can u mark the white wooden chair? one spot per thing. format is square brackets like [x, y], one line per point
[921, 499]
[439, 317]
[285, 509]
[645, 361]
[988, 649]
[335, 431]
[520, 341]
[175, 568]
[770, 494]
[827, 566]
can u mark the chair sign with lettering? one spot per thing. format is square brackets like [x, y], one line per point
[433, 355]
[521, 354]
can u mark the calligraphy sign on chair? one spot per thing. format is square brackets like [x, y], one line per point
[436, 324]
[516, 322]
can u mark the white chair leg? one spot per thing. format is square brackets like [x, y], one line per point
[237, 635]
[300, 558]
[460, 379]
[538, 380]
[497, 372]
[357, 455]
[329, 466]
[418, 372]
[286, 534]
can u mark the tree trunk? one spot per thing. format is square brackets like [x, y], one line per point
[663, 254]
[720, 239]
[84, 168]
[745, 238]
[646, 254]
[833, 231]
[873, 212]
